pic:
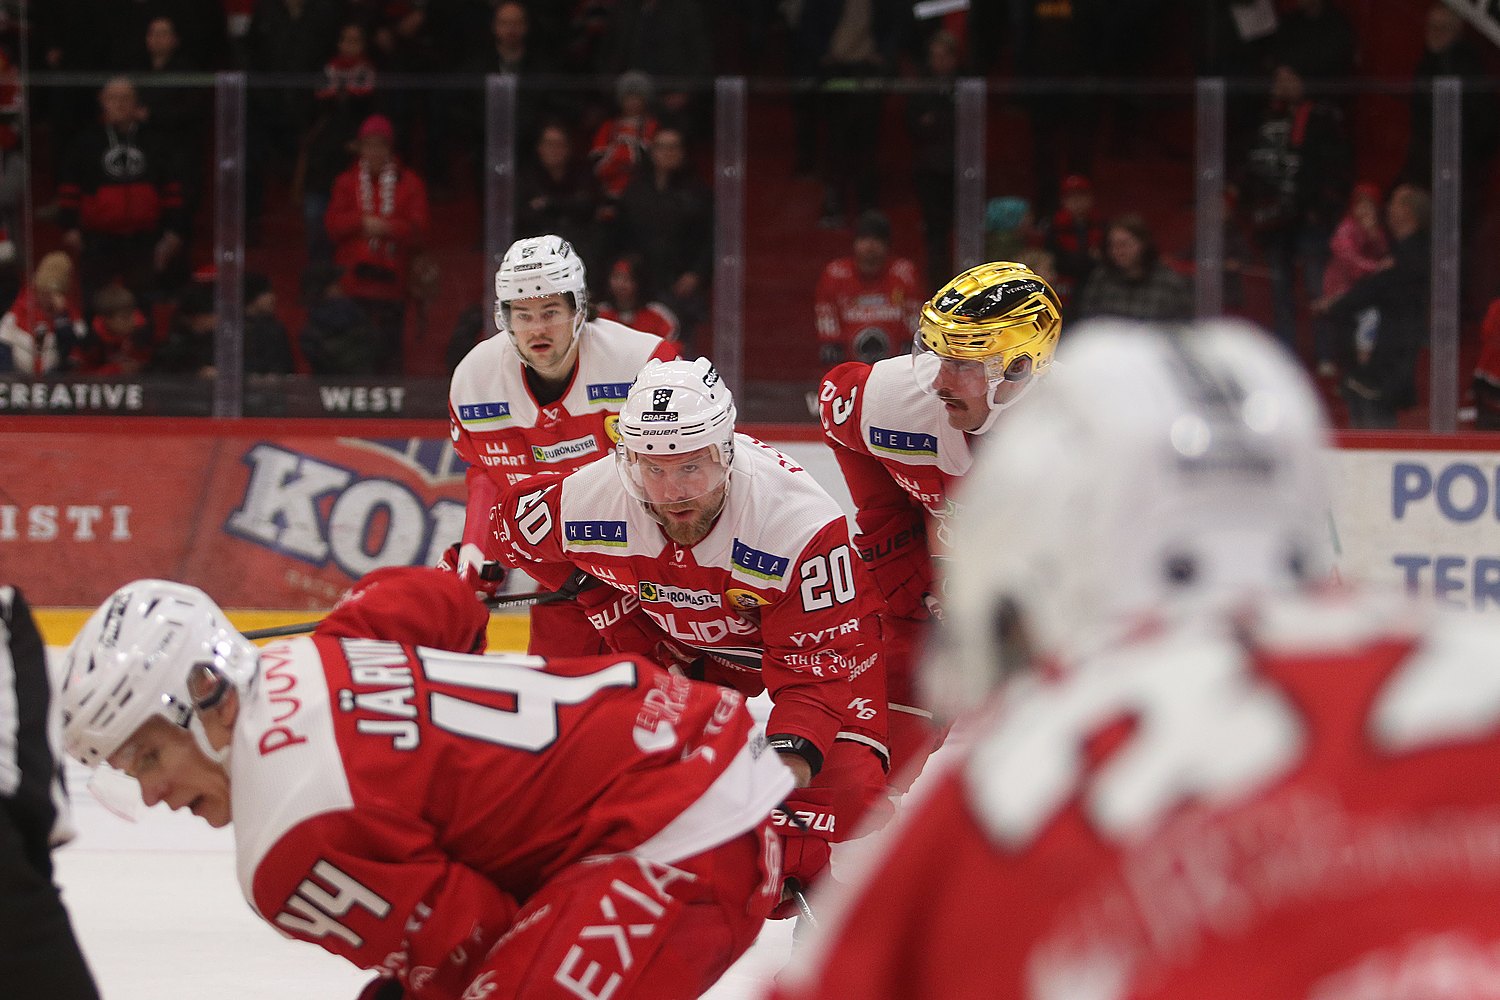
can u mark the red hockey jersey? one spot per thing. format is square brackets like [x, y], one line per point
[505, 436]
[1304, 804]
[773, 593]
[901, 460]
[866, 318]
[394, 804]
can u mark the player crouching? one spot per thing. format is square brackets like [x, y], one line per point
[464, 824]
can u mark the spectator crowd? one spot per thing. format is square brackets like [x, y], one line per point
[613, 137]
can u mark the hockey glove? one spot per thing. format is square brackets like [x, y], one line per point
[895, 553]
[486, 576]
[807, 826]
[382, 988]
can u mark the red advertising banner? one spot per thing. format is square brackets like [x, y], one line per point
[259, 513]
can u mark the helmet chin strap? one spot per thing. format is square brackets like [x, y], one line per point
[998, 408]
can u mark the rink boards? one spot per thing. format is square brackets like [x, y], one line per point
[284, 515]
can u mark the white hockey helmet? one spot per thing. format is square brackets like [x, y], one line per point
[675, 407]
[1156, 473]
[538, 266]
[133, 659]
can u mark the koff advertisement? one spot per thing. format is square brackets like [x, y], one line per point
[270, 514]
[259, 520]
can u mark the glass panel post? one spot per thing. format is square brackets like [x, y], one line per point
[729, 231]
[1209, 194]
[969, 168]
[499, 180]
[1447, 176]
[229, 243]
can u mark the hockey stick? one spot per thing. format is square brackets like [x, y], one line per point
[530, 600]
[791, 885]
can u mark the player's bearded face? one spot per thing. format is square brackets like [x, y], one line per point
[167, 763]
[684, 492]
[543, 332]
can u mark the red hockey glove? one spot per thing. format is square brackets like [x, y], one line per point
[805, 840]
[895, 553]
[382, 988]
[486, 576]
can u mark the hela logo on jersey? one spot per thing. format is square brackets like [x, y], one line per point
[595, 532]
[483, 414]
[564, 451]
[902, 442]
[608, 392]
[758, 563]
[661, 593]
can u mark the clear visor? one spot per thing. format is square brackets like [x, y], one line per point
[963, 377]
[672, 479]
[113, 783]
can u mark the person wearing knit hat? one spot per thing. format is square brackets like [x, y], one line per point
[42, 326]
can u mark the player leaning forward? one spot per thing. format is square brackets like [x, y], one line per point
[728, 560]
[904, 432]
[1208, 772]
[467, 824]
[541, 398]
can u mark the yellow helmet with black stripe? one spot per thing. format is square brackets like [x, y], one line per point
[1002, 314]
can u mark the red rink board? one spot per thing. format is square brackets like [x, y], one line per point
[260, 513]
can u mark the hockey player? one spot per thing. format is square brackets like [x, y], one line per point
[541, 398]
[1211, 772]
[469, 825]
[39, 956]
[903, 431]
[728, 561]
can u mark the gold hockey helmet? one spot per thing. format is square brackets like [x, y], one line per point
[1001, 314]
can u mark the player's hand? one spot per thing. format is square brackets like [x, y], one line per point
[486, 576]
[805, 840]
[382, 988]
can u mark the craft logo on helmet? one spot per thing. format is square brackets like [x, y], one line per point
[564, 451]
[527, 267]
[662, 593]
[658, 416]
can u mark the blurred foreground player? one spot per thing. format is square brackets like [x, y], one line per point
[466, 824]
[1208, 772]
[39, 956]
[904, 432]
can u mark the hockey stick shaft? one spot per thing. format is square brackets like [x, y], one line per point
[509, 601]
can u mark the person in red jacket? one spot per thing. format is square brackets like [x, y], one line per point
[630, 300]
[866, 304]
[466, 826]
[377, 215]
